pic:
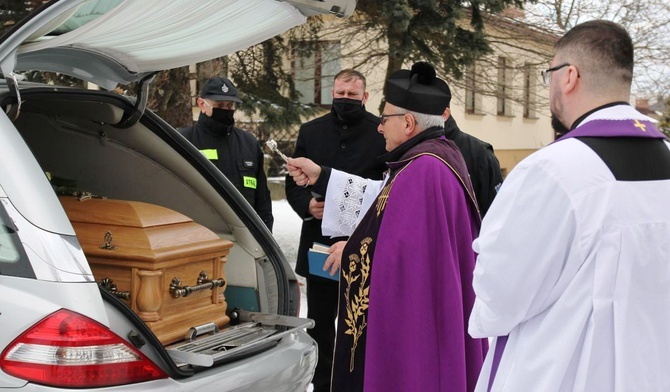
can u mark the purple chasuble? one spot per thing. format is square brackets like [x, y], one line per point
[406, 281]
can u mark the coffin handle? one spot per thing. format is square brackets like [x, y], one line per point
[177, 290]
[110, 286]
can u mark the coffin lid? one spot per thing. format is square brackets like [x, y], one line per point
[120, 212]
[140, 232]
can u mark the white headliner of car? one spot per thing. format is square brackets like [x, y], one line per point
[168, 37]
[120, 41]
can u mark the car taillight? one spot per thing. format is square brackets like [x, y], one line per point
[67, 349]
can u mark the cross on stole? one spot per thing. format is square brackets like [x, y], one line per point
[643, 127]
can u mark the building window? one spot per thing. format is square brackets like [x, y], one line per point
[473, 98]
[314, 73]
[504, 86]
[529, 94]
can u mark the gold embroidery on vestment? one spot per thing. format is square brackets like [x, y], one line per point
[356, 306]
[638, 124]
[382, 199]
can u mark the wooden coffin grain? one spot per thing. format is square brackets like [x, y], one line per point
[142, 247]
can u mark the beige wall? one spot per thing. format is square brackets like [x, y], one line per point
[509, 158]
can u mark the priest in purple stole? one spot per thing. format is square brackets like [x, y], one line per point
[573, 273]
[406, 271]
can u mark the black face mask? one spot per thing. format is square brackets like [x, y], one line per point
[348, 110]
[223, 116]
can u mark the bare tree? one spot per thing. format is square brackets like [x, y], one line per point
[169, 97]
[664, 124]
[386, 36]
[646, 21]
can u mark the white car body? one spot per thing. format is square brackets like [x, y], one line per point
[111, 146]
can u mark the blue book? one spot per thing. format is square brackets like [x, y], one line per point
[316, 256]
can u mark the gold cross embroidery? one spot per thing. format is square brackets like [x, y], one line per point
[643, 127]
[383, 198]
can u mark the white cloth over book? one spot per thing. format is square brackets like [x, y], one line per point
[348, 197]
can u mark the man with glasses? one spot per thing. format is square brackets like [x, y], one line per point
[346, 138]
[559, 128]
[234, 151]
[573, 272]
[406, 271]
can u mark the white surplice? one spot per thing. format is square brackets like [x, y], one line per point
[575, 267]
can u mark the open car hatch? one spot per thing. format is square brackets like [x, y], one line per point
[107, 42]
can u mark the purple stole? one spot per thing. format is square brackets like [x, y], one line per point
[615, 128]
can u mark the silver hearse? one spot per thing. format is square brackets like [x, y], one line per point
[62, 326]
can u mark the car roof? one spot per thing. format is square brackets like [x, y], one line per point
[107, 42]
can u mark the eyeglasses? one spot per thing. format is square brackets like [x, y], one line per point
[220, 104]
[384, 117]
[546, 74]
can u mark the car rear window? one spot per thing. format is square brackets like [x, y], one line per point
[13, 260]
[15, 12]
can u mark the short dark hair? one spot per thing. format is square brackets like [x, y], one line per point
[602, 47]
[349, 74]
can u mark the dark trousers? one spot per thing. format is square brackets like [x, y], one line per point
[322, 308]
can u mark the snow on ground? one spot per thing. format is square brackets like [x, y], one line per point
[286, 230]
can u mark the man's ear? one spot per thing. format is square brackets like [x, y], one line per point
[365, 97]
[410, 125]
[570, 83]
[201, 104]
[446, 114]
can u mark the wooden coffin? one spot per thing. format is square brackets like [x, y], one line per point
[154, 257]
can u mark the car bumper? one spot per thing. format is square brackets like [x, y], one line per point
[287, 367]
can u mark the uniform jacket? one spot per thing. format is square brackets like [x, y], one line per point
[238, 155]
[482, 164]
[328, 142]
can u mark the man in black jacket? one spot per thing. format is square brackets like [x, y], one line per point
[344, 139]
[483, 166]
[234, 151]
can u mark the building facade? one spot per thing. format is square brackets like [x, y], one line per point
[501, 99]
